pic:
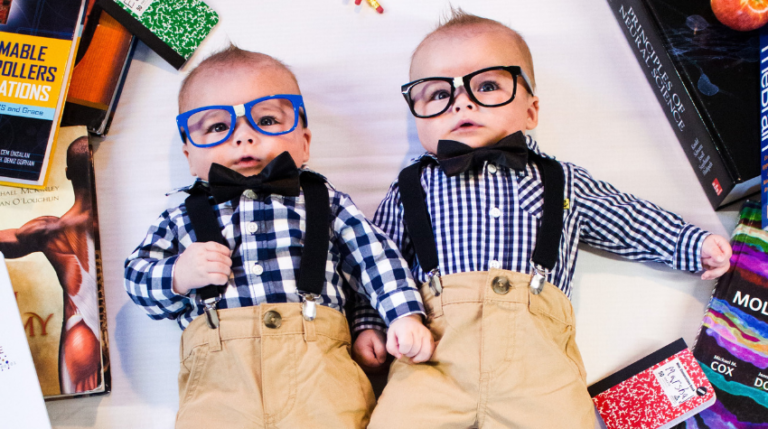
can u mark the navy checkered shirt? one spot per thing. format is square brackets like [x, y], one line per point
[266, 237]
[488, 218]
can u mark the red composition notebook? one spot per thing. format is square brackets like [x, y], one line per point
[656, 392]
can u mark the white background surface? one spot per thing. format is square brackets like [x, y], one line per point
[597, 111]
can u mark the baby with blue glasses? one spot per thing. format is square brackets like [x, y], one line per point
[260, 261]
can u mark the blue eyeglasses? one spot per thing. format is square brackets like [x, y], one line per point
[212, 125]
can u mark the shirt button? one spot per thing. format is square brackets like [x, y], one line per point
[250, 194]
[495, 212]
[491, 168]
[252, 227]
[494, 264]
[257, 269]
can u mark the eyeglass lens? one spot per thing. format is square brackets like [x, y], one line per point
[490, 88]
[212, 126]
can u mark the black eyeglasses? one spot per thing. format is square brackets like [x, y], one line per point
[489, 87]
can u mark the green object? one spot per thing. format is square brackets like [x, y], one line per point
[172, 28]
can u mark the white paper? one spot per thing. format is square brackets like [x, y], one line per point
[20, 394]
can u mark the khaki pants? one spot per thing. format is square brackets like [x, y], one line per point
[266, 367]
[503, 360]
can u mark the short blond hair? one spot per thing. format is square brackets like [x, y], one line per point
[460, 20]
[232, 56]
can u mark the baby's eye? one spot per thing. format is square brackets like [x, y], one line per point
[440, 95]
[266, 121]
[488, 86]
[218, 127]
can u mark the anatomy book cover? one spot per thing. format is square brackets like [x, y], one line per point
[50, 241]
[732, 345]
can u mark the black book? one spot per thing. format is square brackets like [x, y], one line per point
[706, 78]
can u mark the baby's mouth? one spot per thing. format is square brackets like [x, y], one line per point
[247, 161]
[465, 125]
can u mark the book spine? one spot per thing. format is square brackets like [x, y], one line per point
[764, 123]
[646, 41]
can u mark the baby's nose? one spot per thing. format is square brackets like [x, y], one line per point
[468, 105]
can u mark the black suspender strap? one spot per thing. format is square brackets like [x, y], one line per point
[313, 259]
[550, 230]
[548, 236]
[311, 280]
[206, 226]
[418, 223]
[416, 217]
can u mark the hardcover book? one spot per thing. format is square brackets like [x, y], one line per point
[172, 28]
[705, 76]
[20, 394]
[732, 345]
[36, 55]
[50, 240]
[103, 59]
[656, 392]
[764, 121]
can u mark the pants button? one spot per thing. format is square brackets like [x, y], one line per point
[272, 319]
[500, 285]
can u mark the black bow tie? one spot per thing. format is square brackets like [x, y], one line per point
[280, 176]
[456, 158]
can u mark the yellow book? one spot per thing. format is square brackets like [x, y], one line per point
[37, 50]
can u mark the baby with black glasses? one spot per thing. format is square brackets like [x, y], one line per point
[490, 227]
[258, 263]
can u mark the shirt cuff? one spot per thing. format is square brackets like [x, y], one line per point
[161, 280]
[368, 318]
[688, 250]
[399, 303]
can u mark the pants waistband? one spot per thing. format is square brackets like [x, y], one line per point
[498, 285]
[266, 320]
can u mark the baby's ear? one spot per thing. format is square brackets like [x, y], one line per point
[306, 135]
[185, 149]
[532, 113]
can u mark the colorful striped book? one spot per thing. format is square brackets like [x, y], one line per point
[732, 346]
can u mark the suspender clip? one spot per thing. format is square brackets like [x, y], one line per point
[309, 306]
[435, 283]
[538, 278]
[211, 314]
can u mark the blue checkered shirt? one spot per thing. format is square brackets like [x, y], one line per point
[488, 218]
[266, 237]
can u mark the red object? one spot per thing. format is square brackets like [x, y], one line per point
[716, 185]
[357, 2]
[656, 392]
[380, 9]
[741, 15]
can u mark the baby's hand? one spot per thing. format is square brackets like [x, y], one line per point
[408, 336]
[201, 264]
[369, 351]
[715, 256]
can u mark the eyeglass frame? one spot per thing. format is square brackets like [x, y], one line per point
[236, 111]
[464, 81]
